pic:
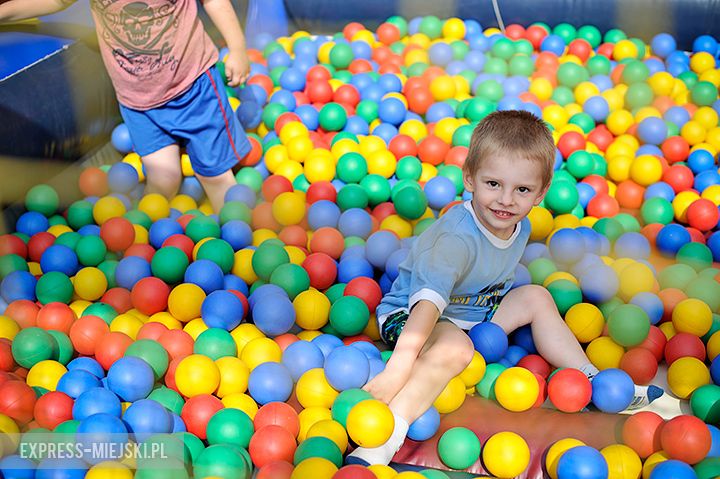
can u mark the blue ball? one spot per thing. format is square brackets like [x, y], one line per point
[323, 213]
[60, 258]
[489, 340]
[355, 222]
[261, 40]
[356, 125]
[582, 462]
[671, 238]
[285, 98]
[249, 114]
[714, 442]
[61, 468]
[105, 430]
[677, 115]
[292, 79]
[392, 264]
[438, 111]
[122, 177]
[264, 291]
[273, 315]
[379, 246]
[270, 382]
[651, 304]
[235, 282]
[440, 54]
[659, 190]
[369, 349]
[376, 367]
[326, 343]
[632, 245]
[222, 309]
[585, 193]
[652, 130]
[673, 469]
[700, 160]
[514, 354]
[254, 93]
[130, 378]
[178, 424]
[715, 370]
[390, 82]
[130, 270]
[521, 276]
[522, 337]
[95, 401]
[237, 233]
[18, 285]
[361, 50]
[87, 364]
[599, 283]
[705, 179]
[121, 140]
[352, 268]
[372, 92]
[706, 43]
[191, 186]
[439, 191]
[162, 229]
[206, 274]
[534, 251]
[597, 107]
[302, 356]
[567, 245]
[391, 110]
[475, 60]
[16, 467]
[386, 131]
[308, 115]
[77, 381]
[278, 58]
[147, 417]
[346, 367]
[425, 426]
[663, 44]
[554, 44]
[713, 242]
[612, 390]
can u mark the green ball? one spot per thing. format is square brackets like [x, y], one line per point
[318, 446]
[335, 292]
[417, 69]
[431, 26]
[193, 444]
[301, 183]
[400, 23]
[351, 167]
[422, 225]
[434, 474]
[676, 276]
[354, 241]
[599, 65]
[43, 199]
[202, 227]
[486, 386]
[138, 217]
[696, 255]
[565, 293]
[377, 188]
[704, 93]
[580, 164]
[367, 110]
[454, 174]
[462, 135]
[215, 343]
[68, 427]
[591, 34]
[352, 196]
[503, 48]
[459, 448]
[690, 79]
[344, 135]
[638, 95]
[108, 268]
[169, 264]
[152, 353]
[235, 210]
[610, 305]
[169, 398]
[561, 197]
[609, 227]
[219, 252]
[628, 325]
[705, 403]
[584, 121]
[460, 49]
[250, 177]
[565, 31]
[563, 95]
[230, 426]
[32, 345]
[628, 222]
[614, 35]
[91, 250]
[80, 214]
[345, 401]
[292, 278]
[491, 90]
[271, 112]
[64, 351]
[540, 269]
[268, 257]
[496, 66]
[705, 289]
[102, 310]
[523, 47]
[635, 71]
[521, 65]
[161, 468]
[657, 210]
[56, 219]
[223, 461]
[410, 203]
[571, 74]
[332, 117]
[276, 73]
[708, 468]
[341, 55]
[349, 315]
[10, 263]
[54, 287]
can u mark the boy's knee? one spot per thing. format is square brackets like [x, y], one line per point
[537, 296]
[462, 352]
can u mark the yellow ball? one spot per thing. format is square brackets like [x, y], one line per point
[370, 423]
[310, 416]
[635, 278]
[541, 88]
[701, 62]
[319, 168]
[604, 353]
[646, 170]
[415, 129]
[560, 275]
[556, 451]
[290, 169]
[451, 397]
[474, 371]
[712, 193]
[155, 205]
[622, 461]
[624, 49]
[309, 335]
[234, 376]
[186, 165]
[8, 327]
[166, 319]
[555, 115]
[713, 346]
[185, 300]
[275, 156]
[261, 350]
[619, 121]
[707, 117]
[245, 333]
[427, 172]
[134, 160]
[371, 144]
[565, 221]
[682, 202]
[381, 162]
[312, 309]
[291, 130]
[397, 225]
[506, 454]
[653, 460]
[109, 470]
[541, 223]
[443, 88]
[106, 208]
[692, 316]
[127, 324]
[314, 468]
[299, 148]
[90, 284]
[45, 374]
[445, 128]
[242, 266]
[382, 471]
[586, 321]
[183, 203]
[297, 256]
[668, 330]
[313, 389]
[289, 208]
[197, 374]
[346, 145]
[685, 375]
[141, 235]
[584, 91]
[242, 402]
[453, 29]
[516, 389]
[332, 430]
[409, 475]
[693, 132]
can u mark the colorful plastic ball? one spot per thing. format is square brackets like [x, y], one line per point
[149, 295]
[562, 197]
[31, 346]
[146, 417]
[130, 378]
[640, 364]
[349, 315]
[686, 438]
[270, 382]
[516, 389]
[628, 325]
[489, 340]
[506, 454]
[582, 462]
[370, 423]
[671, 238]
[222, 461]
[642, 433]
[569, 390]
[459, 448]
[425, 426]
[346, 367]
[197, 411]
[612, 390]
[567, 245]
[18, 285]
[703, 214]
[42, 199]
[687, 374]
[274, 315]
[17, 401]
[73, 383]
[222, 309]
[53, 408]
[206, 274]
[271, 443]
[692, 316]
[278, 414]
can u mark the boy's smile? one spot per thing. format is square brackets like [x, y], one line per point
[505, 188]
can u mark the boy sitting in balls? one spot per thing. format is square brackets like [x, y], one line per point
[161, 63]
[459, 273]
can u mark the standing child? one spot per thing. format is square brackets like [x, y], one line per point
[161, 63]
[459, 273]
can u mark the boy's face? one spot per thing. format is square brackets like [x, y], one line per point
[505, 188]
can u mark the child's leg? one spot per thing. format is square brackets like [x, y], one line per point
[162, 171]
[216, 187]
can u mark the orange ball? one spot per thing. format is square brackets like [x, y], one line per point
[329, 241]
[629, 194]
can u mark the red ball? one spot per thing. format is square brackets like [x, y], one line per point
[696, 236]
[432, 150]
[388, 33]
[542, 391]
[117, 233]
[570, 142]
[597, 183]
[56, 316]
[322, 190]
[329, 241]
[535, 364]
[535, 34]
[23, 312]
[170, 374]
[86, 332]
[197, 411]
[52, 408]
[383, 210]
[37, 245]
[112, 347]
[253, 156]
[686, 438]
[93, 182]
[403, 145]
[184, 220]
[11, 244]
[601, 137]
[177, 343]
[456, 156]
[318, 72]
[7, 362]
[243, 300]
[629, 194]
[347, 95]
[17, 400]
[274, 186]
[319, 91]
[118, 298]
[366, 289]
[603, 206]
[641, 432]
[144, 251]
[684, 344]
[675, 148]
[151, 330]
[360, 65]
[703, 215]
[670, 297]
[294, 235]
[569, 390]
[351, 29]
[655, 343]
[263, 81]
[284, 119]
[262, 217]
[275, 470]
[278, 414]
[354, 471]
[322, 270]
[679, 177]
[606, 49]
[640, 364]
[150, 295]
[182, 242]
[419, 100]
[515, 31]
[580, 48]
[271, 443]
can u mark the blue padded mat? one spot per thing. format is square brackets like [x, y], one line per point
[18, 50]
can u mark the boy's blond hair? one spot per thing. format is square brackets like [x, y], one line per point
[516, 132]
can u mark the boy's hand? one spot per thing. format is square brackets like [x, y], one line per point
[386, 385]
[237, 67]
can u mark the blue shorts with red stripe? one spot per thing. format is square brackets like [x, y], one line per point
[200, 119]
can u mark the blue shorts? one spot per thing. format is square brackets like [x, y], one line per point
[200, 119]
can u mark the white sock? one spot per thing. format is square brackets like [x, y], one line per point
[643, 396]
[589, 370]
[384, 453]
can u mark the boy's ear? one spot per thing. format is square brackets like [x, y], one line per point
[468, 181]
[542, 194]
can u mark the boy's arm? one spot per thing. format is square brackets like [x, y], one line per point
[16, 10]
[237, 64]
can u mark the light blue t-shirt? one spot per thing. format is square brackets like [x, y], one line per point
[460, 266]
